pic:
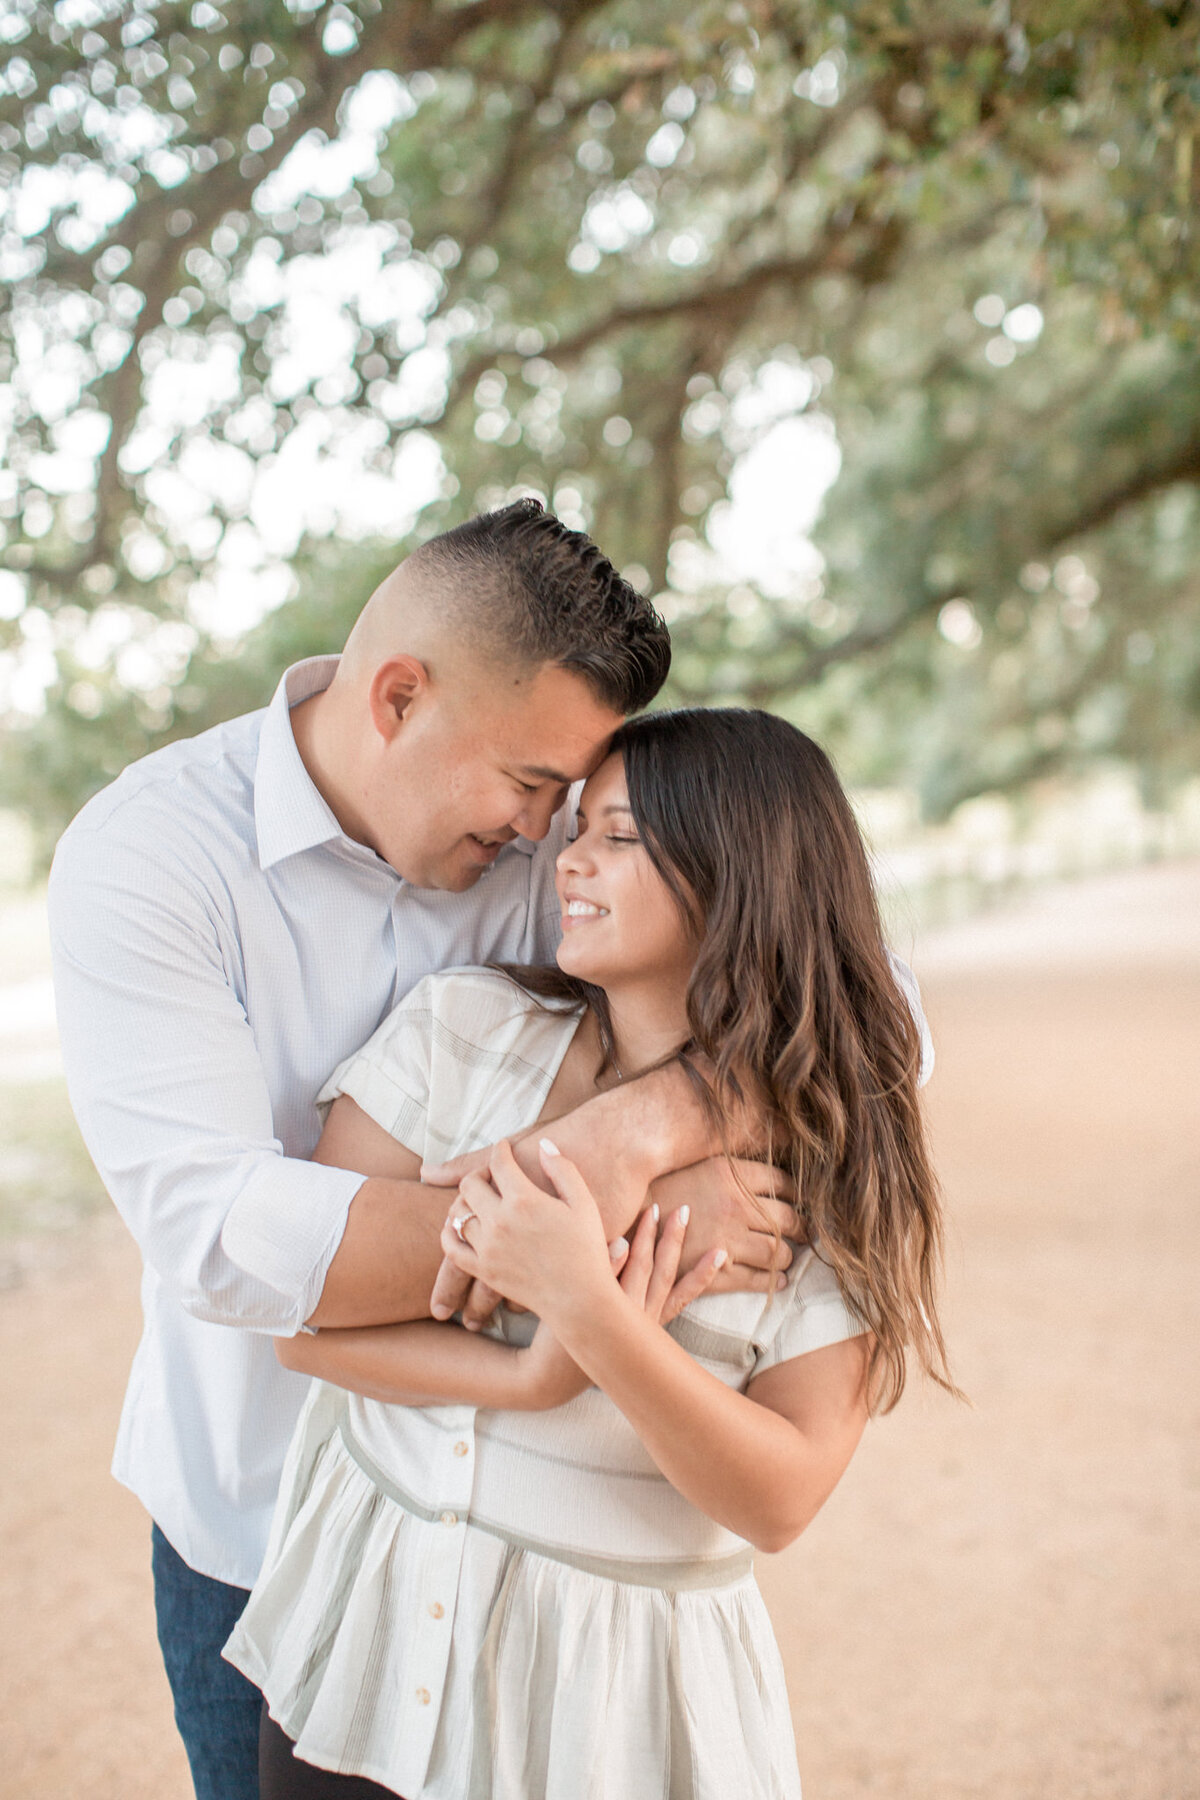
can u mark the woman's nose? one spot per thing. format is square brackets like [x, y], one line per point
[572, 857]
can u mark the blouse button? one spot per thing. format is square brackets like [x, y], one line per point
[461, 1449]
[423, 1696]
[436, 1609]
[449, 1518]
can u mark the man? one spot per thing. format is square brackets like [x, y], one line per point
[238, 912]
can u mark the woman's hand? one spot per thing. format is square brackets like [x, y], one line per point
[646, 1271]
[548, 1251]
[538, 1249]
[651, 1275]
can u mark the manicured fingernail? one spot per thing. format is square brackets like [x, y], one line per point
[720, 1259]
[685, 1213]
[781, 1281]
[617, 1248]
[439, 1311]
[547, 1148]
[654, 1212]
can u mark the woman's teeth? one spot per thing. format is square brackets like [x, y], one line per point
[583, 909]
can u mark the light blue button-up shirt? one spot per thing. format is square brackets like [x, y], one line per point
[219, 945]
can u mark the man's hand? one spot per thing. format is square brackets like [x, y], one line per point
[744, 1208]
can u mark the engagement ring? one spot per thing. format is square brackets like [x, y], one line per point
[457, 1226]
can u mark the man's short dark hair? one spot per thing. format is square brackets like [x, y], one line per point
[538, 592]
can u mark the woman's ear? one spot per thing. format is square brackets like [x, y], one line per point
[395, 685]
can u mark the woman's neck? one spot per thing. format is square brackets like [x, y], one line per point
[648, 1023]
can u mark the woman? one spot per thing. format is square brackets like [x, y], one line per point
[551, 1596]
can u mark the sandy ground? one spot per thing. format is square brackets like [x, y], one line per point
[1002, 1601]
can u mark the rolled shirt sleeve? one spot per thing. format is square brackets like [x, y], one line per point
[176, 1112]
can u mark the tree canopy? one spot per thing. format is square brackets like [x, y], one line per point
[603, 251]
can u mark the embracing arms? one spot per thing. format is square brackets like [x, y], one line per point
[647, 1138]
[762, 1463]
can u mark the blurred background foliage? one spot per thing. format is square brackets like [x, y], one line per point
[667, 265]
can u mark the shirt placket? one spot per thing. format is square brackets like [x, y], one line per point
[437, 1595]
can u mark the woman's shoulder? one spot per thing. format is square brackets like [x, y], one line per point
[482, 1022]
[482, 995]
[809, 1312]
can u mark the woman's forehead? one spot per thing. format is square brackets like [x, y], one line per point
[606, 787]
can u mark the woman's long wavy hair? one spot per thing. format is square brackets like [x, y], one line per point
[793, 1003]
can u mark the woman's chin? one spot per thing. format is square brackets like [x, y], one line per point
[581, 966]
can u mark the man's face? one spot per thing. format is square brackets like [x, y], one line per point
[470, 769]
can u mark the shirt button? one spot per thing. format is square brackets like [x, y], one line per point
[436, 1609]
[423, 1696]
[449, 1518]
[461, 1448]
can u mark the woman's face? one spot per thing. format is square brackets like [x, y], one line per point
[620, 921]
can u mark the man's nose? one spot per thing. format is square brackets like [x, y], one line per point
[537, 810]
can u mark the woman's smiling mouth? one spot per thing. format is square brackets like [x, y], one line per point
[580, 912]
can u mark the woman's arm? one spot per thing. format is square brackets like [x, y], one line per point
[426, 1364]
[761, 1463]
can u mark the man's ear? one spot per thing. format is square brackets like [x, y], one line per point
[395, 685]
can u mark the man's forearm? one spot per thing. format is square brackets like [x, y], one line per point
[384, 1268]
[626, 1138]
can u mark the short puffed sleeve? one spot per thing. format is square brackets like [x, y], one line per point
[389, 1076]
[809, 1314]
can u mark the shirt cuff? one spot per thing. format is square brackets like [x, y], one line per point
[286, 1224]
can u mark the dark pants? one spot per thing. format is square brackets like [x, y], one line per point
[216, 1709]
[282, 1775]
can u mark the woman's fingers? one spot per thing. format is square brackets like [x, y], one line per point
[635, 1277]
[569, 1184]
[666, 1260]
[505, 1175]
[696, 1282]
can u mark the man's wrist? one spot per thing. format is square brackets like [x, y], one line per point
[661, 1122]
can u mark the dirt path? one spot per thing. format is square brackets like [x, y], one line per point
[1000, 1602]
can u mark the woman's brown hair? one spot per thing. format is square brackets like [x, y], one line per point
[793, 1002]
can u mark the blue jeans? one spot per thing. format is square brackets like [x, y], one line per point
[216, 1709]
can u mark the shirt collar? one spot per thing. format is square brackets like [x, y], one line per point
[289, 813]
